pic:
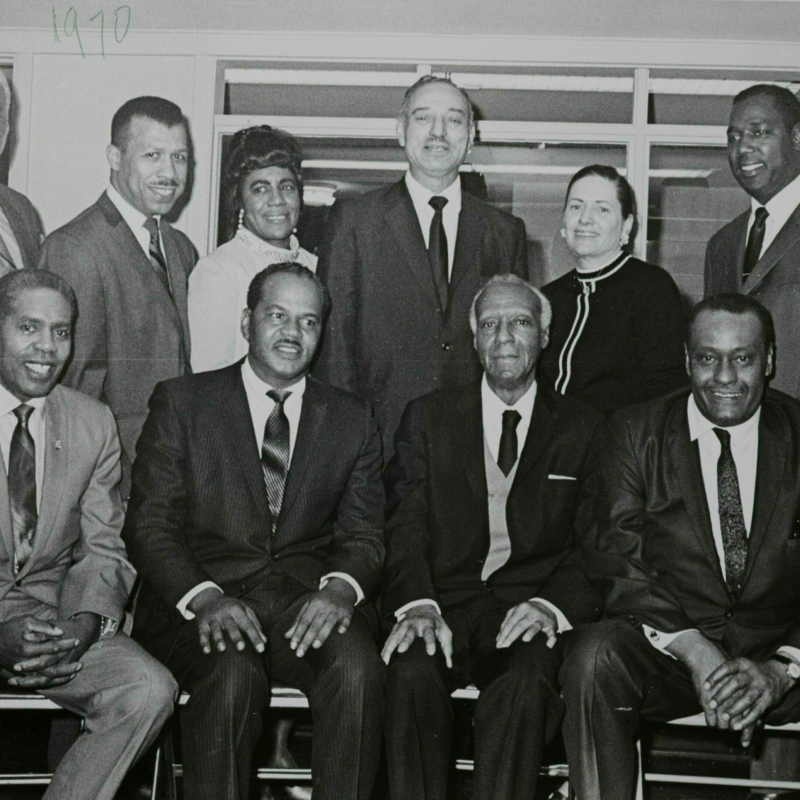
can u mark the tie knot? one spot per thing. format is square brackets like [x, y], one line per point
[437, 203]
[511, 420]
[280, 397]
[151, 225]
[724, 437]
[761, 217]
[23, 413]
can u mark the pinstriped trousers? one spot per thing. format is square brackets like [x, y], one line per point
[222, 722]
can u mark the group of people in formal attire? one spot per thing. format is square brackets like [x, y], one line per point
[399, 469]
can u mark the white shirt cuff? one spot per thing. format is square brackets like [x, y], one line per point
[400, 614]
[791, 652]
[191, 594]
[661, 640]
[323, 582]
[563, 622]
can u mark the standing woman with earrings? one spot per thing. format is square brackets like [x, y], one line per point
[618, 323]
[262, 189]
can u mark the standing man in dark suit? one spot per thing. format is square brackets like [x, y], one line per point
[483, 577]
[404, 262]
[256, 522]
[758, 254]
[129, 269]
[64, 576]
[21, 231]
[698, 553]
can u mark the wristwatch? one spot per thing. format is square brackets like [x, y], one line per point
[791, 666]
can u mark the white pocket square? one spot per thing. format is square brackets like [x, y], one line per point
[553, 477]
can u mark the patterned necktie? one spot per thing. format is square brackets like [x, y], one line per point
[156, 256]
[507, 454]
[22, 486]
[731, 516]
[437, 250]
[755, 241]
[275, 453]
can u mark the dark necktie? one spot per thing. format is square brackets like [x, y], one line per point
[156, 256]
[507, 454]
[275, 453]
[22, 486]
[755, 241]
[731, 516]
[437, 250]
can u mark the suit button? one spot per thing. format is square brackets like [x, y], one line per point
[728, 614]
[631, 619]
[242, 588]
[446, 346]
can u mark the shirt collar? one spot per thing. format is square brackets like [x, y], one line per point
[783, 204]
[131, 215]
[257, 386]
[493, 404]
[8, 402]
[420, 195]
[700, 425]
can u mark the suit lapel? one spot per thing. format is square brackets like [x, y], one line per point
[56, 460]
[133, 257]
[788, 235]
[469, 433]
[234, 414]
[540, 432]
[402, 222]
[6, 530]
[774, 436]
[177, 277]
[686, 469]
[471, 225]
[309, 435]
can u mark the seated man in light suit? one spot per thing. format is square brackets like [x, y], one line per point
[256, 521]
[490, 492]
[697, 554]
[64, 578]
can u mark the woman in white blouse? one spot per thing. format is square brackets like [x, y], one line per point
[263, 197]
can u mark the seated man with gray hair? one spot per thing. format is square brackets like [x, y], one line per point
[490, 492]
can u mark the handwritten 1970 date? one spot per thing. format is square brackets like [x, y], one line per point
[69, 26]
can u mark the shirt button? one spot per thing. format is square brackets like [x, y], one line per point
[446, 346]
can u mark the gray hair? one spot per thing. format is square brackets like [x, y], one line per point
[429, 80]
[546, 311]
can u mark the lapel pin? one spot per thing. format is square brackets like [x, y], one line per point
[58, 444]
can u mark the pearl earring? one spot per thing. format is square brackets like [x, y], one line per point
[241, 220]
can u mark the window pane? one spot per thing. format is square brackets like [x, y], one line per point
[526, 179]
[692, 195]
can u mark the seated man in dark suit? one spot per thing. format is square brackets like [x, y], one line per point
[21, 231]
[483, 556]
[256, 521]
[697, 553]
[64, 577]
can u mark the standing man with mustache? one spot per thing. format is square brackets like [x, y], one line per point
[758, 253]
[129, 269]
[403, 263]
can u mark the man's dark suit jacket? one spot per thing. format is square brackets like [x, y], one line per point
[129, 334]
[25, 224]
[655, 558]
[386, 339]
[199, 511]
[438, 513]
[775, 282]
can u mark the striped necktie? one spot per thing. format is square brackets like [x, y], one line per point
[275, 453]
[156, 255]
[6, 261]
[22, 486]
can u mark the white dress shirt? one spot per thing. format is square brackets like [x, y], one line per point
[260, 408]
[135, 220]
[36, 426]
[492, 408]
[420, 197]
[744, 448]
[10, 240]
[780, 208]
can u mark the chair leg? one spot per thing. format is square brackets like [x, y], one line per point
[640, 776]
[169, 758]
[156, 772]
